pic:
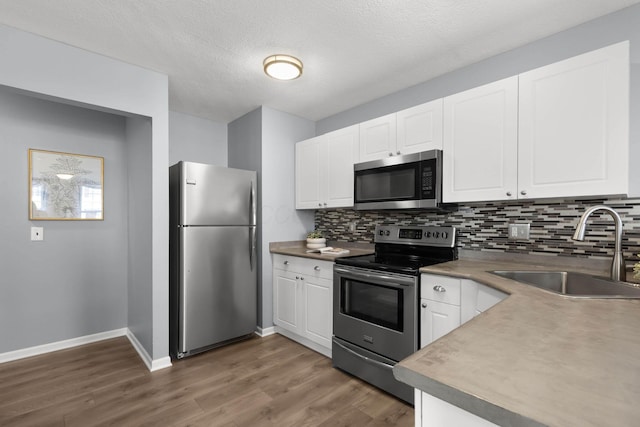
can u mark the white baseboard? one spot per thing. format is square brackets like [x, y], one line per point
[60, 345]
[265, 332]
[152, 365]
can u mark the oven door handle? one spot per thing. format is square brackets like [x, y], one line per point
[365, 358]
[391, 281]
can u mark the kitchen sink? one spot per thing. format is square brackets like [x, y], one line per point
[573, 284]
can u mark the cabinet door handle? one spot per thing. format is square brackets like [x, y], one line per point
[319, 204]
[316, 268]
[301, 278]
[398, 153]
[439, 288]
[509, 193]
[523, 192]
[424, 305]
[286, 263]
[297, 277]
[390, 154]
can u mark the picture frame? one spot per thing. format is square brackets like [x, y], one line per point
[65, 186]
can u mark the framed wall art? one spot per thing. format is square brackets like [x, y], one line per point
[64, 186]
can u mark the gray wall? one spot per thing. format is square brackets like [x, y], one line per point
[74, 283]
[280, 220]
[196, 140]
[245, 141]
[613, 28]
[245, 146]
[264, 140]
[139, 211]
[59, 72]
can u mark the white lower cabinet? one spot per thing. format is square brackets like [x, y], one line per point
[303, 300]
[446, 303]
[439, 307]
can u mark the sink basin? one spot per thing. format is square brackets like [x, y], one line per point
[573, 284]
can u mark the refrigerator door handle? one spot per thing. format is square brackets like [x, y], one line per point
[252, 245]
[252, 205]
[252, 229]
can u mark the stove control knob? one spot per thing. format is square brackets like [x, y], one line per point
[387, 233]
[445, 234]
[381, 232]
[436, 234]
[427, 234]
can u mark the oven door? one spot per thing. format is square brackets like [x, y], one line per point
[376, 310]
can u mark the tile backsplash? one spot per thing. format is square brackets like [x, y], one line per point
[484, 226]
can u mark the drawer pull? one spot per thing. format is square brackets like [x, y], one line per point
[286, 263]
[439, 288]
[316, 268]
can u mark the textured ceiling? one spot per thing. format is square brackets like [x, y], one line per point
[353, 51]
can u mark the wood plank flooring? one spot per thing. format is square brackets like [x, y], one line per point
[269, 381]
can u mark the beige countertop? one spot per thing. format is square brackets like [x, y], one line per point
[535, 358]
[299, 248]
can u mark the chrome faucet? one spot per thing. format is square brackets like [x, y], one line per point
[618, 268]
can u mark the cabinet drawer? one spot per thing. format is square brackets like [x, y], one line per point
[305, 266]
[440, 288]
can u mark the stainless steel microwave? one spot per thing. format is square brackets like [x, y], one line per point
[410, 181]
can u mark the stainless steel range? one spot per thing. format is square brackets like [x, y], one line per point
[376, 297]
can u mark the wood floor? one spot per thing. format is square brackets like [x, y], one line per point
[269, 381]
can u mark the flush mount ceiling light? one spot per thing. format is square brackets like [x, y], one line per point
[282, 67]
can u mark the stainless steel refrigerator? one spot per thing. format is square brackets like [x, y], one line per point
[213, 258]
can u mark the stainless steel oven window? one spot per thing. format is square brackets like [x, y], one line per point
[377, 304]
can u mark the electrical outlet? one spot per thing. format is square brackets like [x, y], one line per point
[519, 231]
[37, 234]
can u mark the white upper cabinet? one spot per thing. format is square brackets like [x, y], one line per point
[561, 130]
[480, 146]
[378, 138]
[408, 131]
[308, 161]
[342, 154]
[419, 128]
[574, 126]
[324, 169]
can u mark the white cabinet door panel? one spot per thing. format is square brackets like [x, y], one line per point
[378, 138]
[286, 300]
[437, 319]
[480, 151]
[309, 190]
[342, 148]
[574, 126]
[318, 295]
[420, 128]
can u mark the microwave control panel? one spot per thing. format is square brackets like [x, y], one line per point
[427, 172]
